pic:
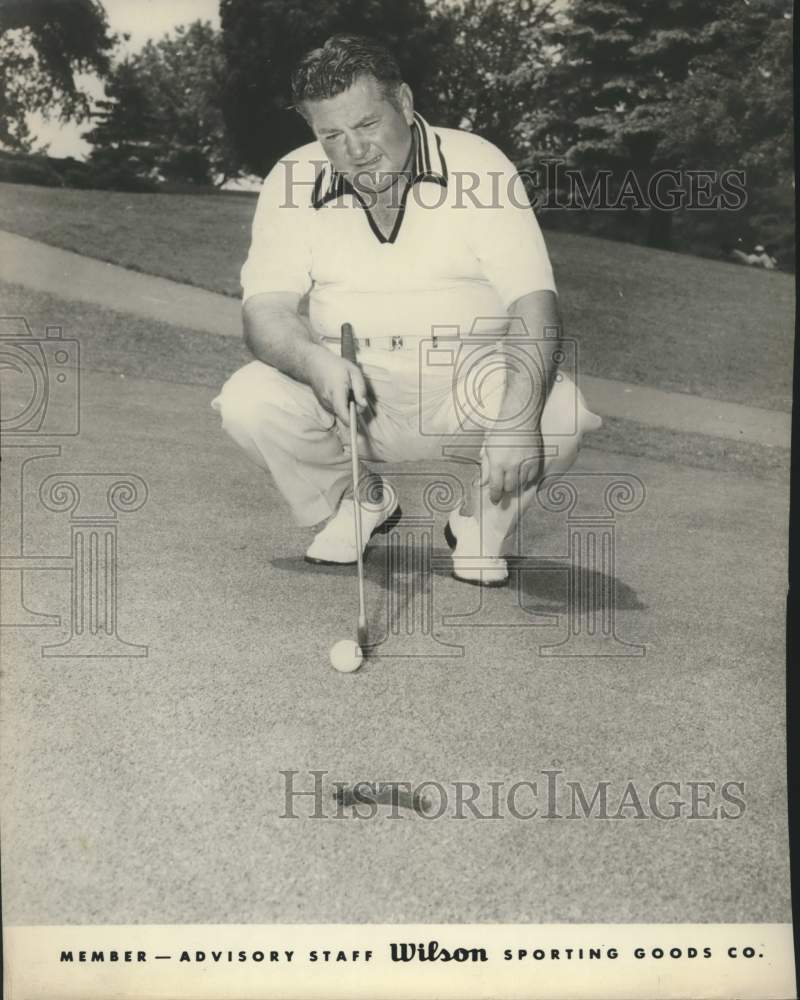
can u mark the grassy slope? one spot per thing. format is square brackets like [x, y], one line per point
[141, 348]
[668, 320]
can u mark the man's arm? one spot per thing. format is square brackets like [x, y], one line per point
[276, 334]
[275, 276]
[506, 459]
[503, 232]
[539, 312]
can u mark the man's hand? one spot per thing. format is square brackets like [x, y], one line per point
[510, 463]
[332, 379]
[277, 335]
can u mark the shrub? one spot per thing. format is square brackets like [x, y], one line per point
[27, 170]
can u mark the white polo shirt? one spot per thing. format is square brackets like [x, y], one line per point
[465, 245]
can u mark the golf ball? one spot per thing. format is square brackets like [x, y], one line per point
[346, 656]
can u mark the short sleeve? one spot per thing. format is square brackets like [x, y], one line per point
[280, 249]
[503, 231]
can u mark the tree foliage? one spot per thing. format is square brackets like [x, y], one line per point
[495, 65]
[263, 39]
[734, 112]
[645, 85]
[734, 108]
[162, 117]
[43, 45]
[124, 147]
[615, 66]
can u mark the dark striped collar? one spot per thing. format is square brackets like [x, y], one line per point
[429, 165]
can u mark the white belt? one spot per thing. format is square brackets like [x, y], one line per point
[391, 343]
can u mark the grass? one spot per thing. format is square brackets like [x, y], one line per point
[672, 321]
[198, 239]
[134, 347]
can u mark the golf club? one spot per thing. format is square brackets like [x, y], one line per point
[349, 354]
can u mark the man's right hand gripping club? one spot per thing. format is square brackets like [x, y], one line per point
[278, 336]
[333, 379]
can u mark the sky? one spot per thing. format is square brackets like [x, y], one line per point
[142, 20]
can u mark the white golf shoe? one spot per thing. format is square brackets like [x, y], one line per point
[335, 544]
[470, 564]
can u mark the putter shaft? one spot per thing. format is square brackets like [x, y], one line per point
[349, 353]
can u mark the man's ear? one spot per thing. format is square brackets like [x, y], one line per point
[406, 101]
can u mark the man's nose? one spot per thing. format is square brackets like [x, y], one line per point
[356, 147]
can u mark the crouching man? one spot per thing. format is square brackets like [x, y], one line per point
[400, 229]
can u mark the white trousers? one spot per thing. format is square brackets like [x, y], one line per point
[418, 410]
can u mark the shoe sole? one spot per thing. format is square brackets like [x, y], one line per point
[452, 541]
[382, 529]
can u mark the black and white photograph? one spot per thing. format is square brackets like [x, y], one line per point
[396, 437]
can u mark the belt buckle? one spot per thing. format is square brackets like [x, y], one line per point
[397, 343]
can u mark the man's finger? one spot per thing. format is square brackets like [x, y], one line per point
[496, 482]
[340, 402]
[483, 479]
[529, 474]
[358, 385]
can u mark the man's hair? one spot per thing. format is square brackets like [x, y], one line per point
[329, 71]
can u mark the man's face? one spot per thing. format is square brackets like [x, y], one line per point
[365, 136]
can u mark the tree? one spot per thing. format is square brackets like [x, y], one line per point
[163, 115]
[494, 66]
[617, 69]
[42, 47]
[263, 39]
[734, 112]
[125, 137]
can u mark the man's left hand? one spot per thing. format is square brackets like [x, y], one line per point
[511, 462]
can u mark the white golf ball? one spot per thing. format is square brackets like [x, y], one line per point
[346, 656]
